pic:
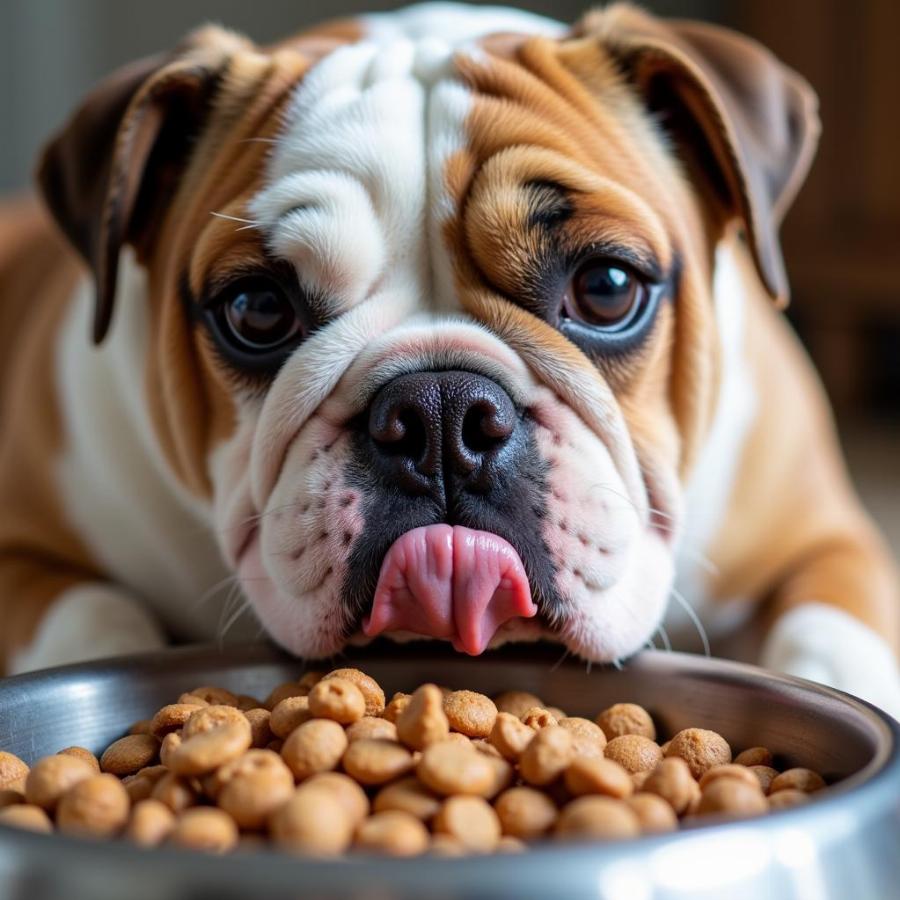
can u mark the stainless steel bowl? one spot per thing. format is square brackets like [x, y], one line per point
[845, 845]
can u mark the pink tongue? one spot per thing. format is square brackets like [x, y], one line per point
[450, 582]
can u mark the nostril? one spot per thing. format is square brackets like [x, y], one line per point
[483, 428]
[403, 434]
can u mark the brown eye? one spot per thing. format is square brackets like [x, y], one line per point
[604, 294]
[259, 317]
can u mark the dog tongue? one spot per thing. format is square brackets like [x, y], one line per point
[450, 582]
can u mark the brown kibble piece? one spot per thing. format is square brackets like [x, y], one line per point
[207, 719]
[313, 821]
[537, 718]
[205, 828]
[372, 728]
[446, 845]
[11, 796]
[525, 812]
[51, 777]
[392, 833]
[517, 703]
[423, 722]
[470, 713]
[215, 696]
[797, 779]
[729, 770]
[350, 795]
[97, 807]
[11, 768]
[245, 702]
[731, 797]
[204, 752]
[170, 743]
[634, 753]
[765, 775]
[260, 733]
[510, 844]
[595, 775]
[289, 714]
[173, 717]
[82, 753]
[700, 748]
[754, 756]
[150, 824]
[337, 699]
[368, 687]
[626, 718]
[255, 785]
[190, 699]
[316, 746]
[283, 692]
[547, 755]
[142, 726]
[598, 818]
[454, 768]
[408, 795]
[787, 798]
[471, 820]
[588, 738]
[373, 762]
[27, 817]
[510, 736]
[396, 706]
[129, 754]
[175, 792]
[672, 781]
[654, 814]
[309, 679]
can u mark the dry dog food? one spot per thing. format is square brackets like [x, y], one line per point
[326, 765]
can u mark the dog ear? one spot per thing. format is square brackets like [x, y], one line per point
[110, 171]
[745, 124]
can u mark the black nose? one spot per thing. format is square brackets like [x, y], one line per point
[432, 428]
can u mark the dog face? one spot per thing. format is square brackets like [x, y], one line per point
[431, 321]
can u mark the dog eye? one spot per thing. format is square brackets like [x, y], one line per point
[256, 322]
[259, 316]
[605, 294]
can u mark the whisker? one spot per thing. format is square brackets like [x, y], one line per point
[701, 559]
[695, 619]
[664, 636]
[560, 661]
[258, 140]
[211, 592]
[248, 222]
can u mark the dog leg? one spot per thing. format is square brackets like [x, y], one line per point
[824, 626]
[88, 621]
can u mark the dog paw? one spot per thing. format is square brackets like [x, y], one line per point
[821, 643]
[90, 621]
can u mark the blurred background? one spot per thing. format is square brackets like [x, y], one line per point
[841, 239]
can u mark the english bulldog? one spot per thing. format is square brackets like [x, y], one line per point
[453, 322]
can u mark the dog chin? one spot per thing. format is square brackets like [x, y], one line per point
[601, 627]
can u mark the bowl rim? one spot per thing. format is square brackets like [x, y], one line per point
[867, 787]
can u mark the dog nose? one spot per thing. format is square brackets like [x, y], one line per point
[429, 427]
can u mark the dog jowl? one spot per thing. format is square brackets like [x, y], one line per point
[447, 322]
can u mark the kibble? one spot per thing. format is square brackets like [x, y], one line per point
[626, 718]
[449, 773]
[423, 720]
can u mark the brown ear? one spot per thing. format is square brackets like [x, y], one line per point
[107, 175]
[746, 125]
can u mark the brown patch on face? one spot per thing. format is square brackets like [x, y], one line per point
[191, 391]
[560, 115]
[40, 556]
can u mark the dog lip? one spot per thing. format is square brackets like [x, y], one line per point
[244, 541]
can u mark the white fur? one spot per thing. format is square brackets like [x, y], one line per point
[712, 481]
[90, 621]
[825, 644]
[140, 524]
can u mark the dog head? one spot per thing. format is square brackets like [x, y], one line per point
[431, 323]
